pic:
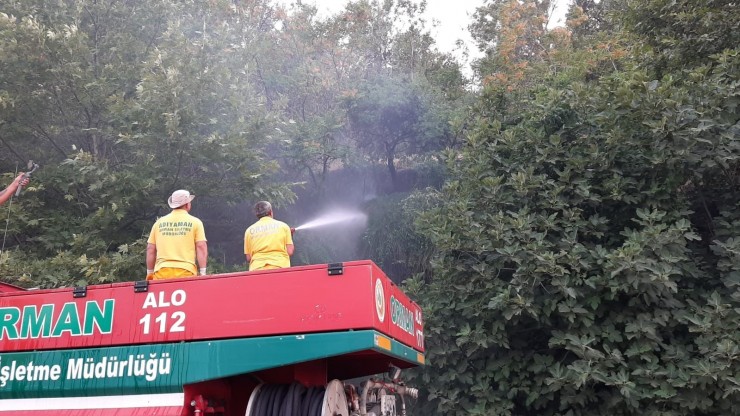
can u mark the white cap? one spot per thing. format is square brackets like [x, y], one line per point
[179, 198]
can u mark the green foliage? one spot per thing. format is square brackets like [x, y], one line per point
[391, 117]
[122, 103]
[685, 32]
[313, 146]
[385, 36]
[390, 240]
[587, 255]
[68, 269]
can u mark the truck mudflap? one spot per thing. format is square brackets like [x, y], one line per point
[131, 405]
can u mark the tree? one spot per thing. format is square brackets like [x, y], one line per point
[63, 67]
[685, 33]
[587, 245]
[73, 60]
[512, 33]
[122, 103]
[383, 36]
[391, 117]
[391, 239]
[312, 129]
[326, 61]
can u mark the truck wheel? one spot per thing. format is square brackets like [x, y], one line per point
[335, 400]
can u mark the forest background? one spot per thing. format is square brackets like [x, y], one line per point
[567, 217]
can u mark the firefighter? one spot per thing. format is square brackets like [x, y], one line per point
[176, 242]
[21, 180]
[268, 243]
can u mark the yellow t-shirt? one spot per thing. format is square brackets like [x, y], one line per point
[175, 236]
[265, 241]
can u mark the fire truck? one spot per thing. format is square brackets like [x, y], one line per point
[287, 342]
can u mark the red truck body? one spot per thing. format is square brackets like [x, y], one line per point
[199, 345]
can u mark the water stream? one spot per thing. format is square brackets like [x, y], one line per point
[333, 217]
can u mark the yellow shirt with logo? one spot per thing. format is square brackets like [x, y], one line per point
[175, 236]
[264, 243]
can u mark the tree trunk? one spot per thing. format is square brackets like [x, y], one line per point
[390, 153]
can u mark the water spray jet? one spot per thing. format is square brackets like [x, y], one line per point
[332, 218]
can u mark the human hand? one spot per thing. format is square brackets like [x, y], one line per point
[22, 179]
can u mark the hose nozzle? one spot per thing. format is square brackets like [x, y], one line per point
[32, 168]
